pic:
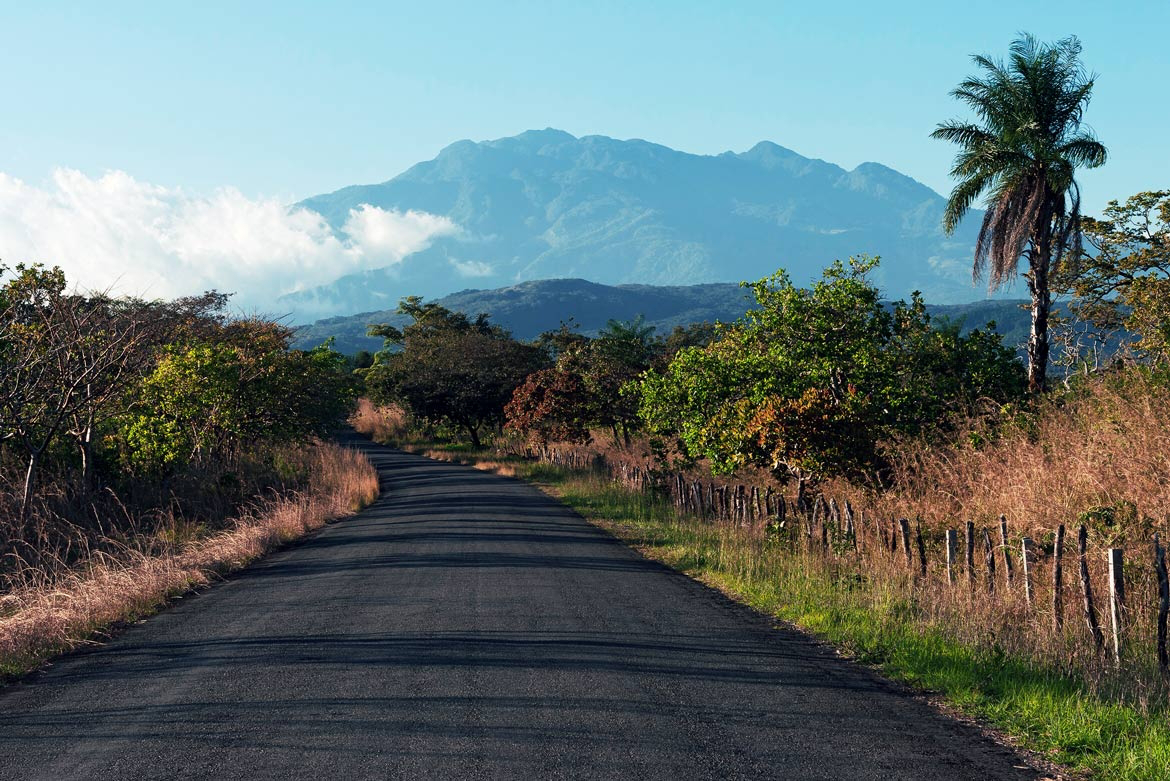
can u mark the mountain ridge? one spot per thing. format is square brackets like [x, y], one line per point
[545, 204]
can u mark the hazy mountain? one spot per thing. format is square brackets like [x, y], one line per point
[530, 308]
[545, 204]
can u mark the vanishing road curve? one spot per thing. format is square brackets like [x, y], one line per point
[466, 626]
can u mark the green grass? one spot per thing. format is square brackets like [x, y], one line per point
[1039, 707]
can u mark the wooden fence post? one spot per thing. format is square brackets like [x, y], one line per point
[989, 555]
[971, 553]
[952, 543]
[1163, 603]
[1007, 556]
[921, 549]
[1117, 600]
[826, 518]
[850, 529]
[1057, 584]
[904, 526]
[1026, 568]
[1087, 589]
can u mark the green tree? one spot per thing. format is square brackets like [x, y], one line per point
[811, 381]
[1123, 283]
[1023, 154]
[212, 400]
[447, 367]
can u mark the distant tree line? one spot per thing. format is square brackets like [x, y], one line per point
[806, 384]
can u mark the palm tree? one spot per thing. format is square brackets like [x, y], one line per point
[1023, 154]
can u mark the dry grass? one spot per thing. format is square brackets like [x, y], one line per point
[1106, 446]
[1098, 457]
[385, 424]
[44, 617]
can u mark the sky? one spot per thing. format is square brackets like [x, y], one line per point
[141, 125]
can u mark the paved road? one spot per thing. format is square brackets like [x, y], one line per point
[466, 626]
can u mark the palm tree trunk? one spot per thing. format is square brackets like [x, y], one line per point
[1041, 305]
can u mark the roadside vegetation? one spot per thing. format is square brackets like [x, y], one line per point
[147, 447]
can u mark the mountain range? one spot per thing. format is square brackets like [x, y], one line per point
[548, 205]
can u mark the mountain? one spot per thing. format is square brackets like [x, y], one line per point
[530, 308]
[545, 204]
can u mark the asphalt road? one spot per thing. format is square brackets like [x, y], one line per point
[466, 626]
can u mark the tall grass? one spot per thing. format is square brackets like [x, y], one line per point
[51, 610]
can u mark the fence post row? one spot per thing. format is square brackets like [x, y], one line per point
[952, 543]
[921, 549]
[1026, 568]
[989, 555]
[1007, 556]
[971, 553]
[904, 526]
[751, 504]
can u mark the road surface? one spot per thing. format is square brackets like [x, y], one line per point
[466, 626]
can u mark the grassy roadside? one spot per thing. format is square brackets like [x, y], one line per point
[46, 618]
[877, 621]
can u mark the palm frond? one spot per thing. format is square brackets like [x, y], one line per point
[964, 194]
[1083, 150]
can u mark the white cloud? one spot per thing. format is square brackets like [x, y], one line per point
[137, 238]
[472, 268]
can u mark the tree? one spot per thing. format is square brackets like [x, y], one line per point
[811, 381]
[552, 404]
[213, 399]
[586, 388]
[65, 358]
[447, 367]
[1124, 282]
[1023, 154]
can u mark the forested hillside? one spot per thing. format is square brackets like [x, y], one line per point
[531, 308]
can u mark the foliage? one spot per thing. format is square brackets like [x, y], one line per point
[1023, 154]
[446, 367]
[97, 391]
[811, 380]
[210, 399]
[1124, 282]
[552, 404]
[585, 389]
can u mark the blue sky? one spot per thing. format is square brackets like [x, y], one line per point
[284, 100]
[295, 98]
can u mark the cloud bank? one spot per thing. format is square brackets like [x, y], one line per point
[115, 232]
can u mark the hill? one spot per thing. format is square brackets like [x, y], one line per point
[547, 205]
[530, 308]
